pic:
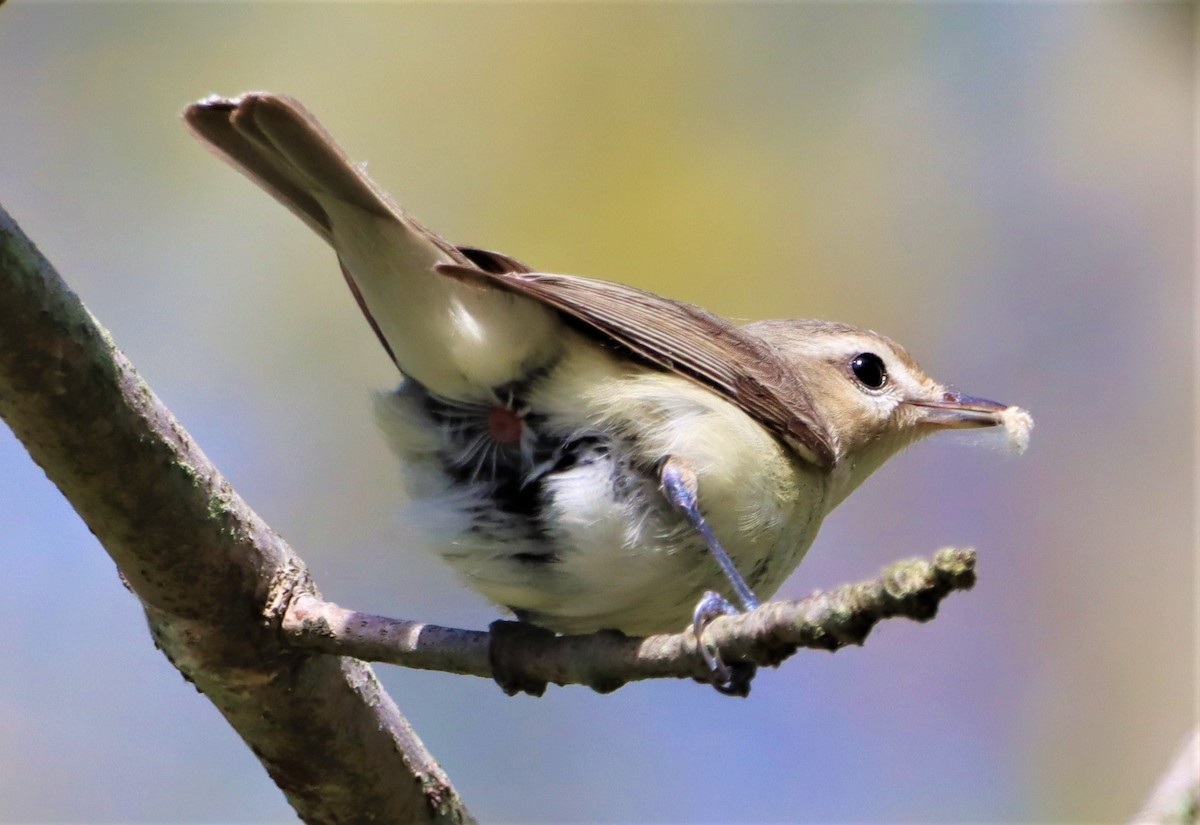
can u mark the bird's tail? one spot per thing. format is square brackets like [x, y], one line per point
[457, 339]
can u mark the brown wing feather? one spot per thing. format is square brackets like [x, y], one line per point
[682, 338]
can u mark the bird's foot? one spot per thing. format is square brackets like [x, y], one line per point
[731, 680]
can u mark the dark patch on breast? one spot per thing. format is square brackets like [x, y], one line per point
[581, 450]
[535, 558]
[515, 471]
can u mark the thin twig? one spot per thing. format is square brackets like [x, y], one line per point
[528, 659]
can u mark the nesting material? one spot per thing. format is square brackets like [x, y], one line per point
[1017, 425]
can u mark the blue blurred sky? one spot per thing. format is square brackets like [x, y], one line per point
[1006, 188]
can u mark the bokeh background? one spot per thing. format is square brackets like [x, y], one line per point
[1006, 188]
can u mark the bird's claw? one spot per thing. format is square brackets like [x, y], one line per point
[731, 680]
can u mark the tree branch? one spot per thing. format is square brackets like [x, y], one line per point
[523, 658]
[213, 577]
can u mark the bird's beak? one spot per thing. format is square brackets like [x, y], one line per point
[954, 411]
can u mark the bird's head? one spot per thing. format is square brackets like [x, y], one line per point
[873, 398]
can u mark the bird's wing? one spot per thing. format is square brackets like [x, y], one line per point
[678, 337]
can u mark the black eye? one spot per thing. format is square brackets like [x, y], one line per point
[868, 368]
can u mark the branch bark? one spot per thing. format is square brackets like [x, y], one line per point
[213, 577]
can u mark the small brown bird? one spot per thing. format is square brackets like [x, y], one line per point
[586, 454]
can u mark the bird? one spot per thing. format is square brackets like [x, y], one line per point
[589, 455]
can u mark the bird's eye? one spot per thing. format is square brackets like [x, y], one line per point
[868, 368]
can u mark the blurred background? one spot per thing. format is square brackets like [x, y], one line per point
[1007, 189]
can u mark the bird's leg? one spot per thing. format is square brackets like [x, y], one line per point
[679, 483]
